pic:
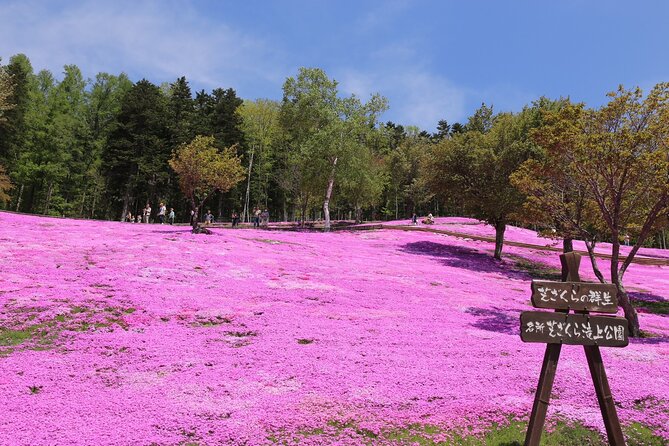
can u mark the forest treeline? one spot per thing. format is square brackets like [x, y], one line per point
[105, 147]
[98, 148]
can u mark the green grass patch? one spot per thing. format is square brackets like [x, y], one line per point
[36, 337]
[15, 337]
[655, 307]
[508, 434]
[639, 435]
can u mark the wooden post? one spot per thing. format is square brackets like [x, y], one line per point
[604, 398]
[570, 265]
[543, 395]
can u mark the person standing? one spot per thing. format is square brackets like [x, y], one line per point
[256, 217]
[147, 212]
[264, 217]
[161, 213]
[170, 217]
[235, 219]
[414, 219]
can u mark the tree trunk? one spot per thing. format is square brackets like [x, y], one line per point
[83, 202]
[328, 195]
[623, 297]
[18, 200]
[126, 201]
[245, 216]
[358, 214]
[590, 246]
[47, 202]
[194, 216]
[31, 198]
[630, 312]
[303, 210]
[499, 239]
[567, 245]
[95, 196]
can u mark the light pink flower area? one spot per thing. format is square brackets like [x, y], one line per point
[148, 334]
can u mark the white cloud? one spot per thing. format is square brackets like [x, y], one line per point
[162, 39]
[416, 97]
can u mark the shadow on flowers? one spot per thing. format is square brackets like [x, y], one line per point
[495, 319]
[462, 257]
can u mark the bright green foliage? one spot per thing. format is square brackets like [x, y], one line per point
[6, 91]
[406, 191]
[203, 169]
[102, 107]
[260, 124]
[327, 134]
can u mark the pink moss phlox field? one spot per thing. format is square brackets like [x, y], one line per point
[148, 334]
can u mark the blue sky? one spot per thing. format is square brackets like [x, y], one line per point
[432, 59]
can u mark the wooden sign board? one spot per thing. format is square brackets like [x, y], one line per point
[578, 296]
[575, 329]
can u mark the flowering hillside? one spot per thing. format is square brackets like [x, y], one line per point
[117, 334]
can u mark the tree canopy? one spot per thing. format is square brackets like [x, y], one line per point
[203, 169]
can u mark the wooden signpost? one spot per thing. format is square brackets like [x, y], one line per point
[578, 328]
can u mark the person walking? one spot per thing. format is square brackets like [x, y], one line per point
[256, 217]
[161, 213]
[170, 217]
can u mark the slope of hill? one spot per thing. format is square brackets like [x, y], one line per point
[117, 333]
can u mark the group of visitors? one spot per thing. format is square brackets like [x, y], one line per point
[260, 218]
[145, 216]
[429, 220]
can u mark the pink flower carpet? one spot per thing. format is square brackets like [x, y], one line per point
[131, 334]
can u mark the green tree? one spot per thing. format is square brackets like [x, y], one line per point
[5, 185]
[6, 92]
[326, 130]
[180, 112]
[203, 169]
[260, 124]
[135, 159]
[620, 154]
[475, 167]
[103, 106]
[13, 129]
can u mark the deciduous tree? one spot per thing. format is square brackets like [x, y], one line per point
[618, 156]
[203, 169]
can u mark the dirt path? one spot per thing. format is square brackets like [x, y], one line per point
[637, 259]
